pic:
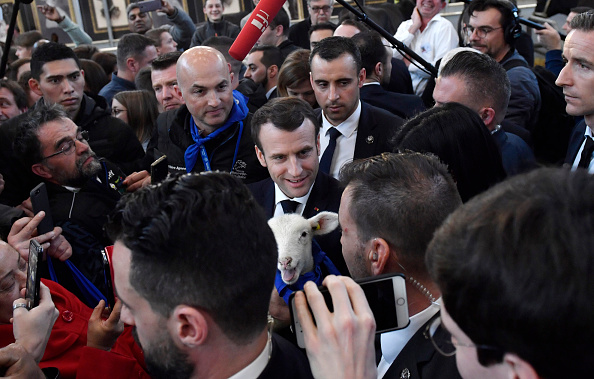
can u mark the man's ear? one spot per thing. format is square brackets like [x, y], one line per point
[378, 256]
[260, 155]
[35, 87]
[178, 91]
[189, 326]
[487, 114]
[362, 76]
[519, 367]
[272, 71]
[378, 69]
[41, 170]
[131, 64]
[278, 31]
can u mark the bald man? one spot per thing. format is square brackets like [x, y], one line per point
[213, 127]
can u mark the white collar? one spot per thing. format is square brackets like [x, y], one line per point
[254, 369]
[348, 126]
[279, 195]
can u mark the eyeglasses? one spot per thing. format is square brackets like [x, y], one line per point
[448, 348]
[68, 147]
[481, 31]
[324, 9]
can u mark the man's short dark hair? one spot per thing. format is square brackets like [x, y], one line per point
[49, 52]
[281, 18]
[333, 47]
[271, 55]
[515, 268]
[583, 22]
[133, 5]
[163, 62]
[203, 241]
[372, 50]
[322, 26]
[143, 80]
[485, 79]
[402, 198]
[222, 44]
[155, 34]
[26, 144]
[285, 113]
[27, 39]
[357, 24]
[131, 45]
[581, 9]
[20, 97]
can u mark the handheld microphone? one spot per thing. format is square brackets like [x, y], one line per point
[265, 11]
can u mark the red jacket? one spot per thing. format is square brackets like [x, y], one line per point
[67, 350]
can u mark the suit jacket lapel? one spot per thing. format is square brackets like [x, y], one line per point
[364, 146]
[317, 200]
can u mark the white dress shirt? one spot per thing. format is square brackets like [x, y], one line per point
[280, 196]
[345, 144]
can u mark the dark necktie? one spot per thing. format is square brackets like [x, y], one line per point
[289, 206]
[587, 153]
[326, 160]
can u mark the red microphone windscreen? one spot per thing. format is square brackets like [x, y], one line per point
[265, 11]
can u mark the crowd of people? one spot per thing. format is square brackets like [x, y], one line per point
[445, 179]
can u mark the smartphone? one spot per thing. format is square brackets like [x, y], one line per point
[386, 295]
[159, 169]
[149, 5]
[32, 289]
[108, 280]
[40, 202]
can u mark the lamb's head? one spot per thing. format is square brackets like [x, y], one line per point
[293, 235]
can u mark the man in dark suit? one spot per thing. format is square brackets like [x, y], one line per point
[389, 210]
[286, 132]
[263, 64]
[209, 321]
[350, 129]
[578, 88]
[377, 65]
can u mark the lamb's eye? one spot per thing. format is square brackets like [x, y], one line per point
[304, 234]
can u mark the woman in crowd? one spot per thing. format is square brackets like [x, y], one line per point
[458, 136]
[293, 78]
[140, 110]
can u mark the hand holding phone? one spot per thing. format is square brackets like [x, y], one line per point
[341, 343]
[32, 328]
[33, 279]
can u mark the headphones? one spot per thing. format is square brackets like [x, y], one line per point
[514, 29]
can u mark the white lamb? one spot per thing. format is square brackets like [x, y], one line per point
[293, 234]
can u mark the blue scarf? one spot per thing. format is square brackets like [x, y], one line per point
[238, 113]
[285, 290]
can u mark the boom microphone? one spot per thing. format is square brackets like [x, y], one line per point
[265, 11]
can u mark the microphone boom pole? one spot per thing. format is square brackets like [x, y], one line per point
[9, 33]
[399, 45]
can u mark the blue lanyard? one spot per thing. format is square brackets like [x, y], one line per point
[206, 160]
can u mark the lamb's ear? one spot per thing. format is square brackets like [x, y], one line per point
[323, 223]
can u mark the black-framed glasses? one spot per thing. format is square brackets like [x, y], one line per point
[324, 9]
[448, 348]
[481, 31]
[67, 147]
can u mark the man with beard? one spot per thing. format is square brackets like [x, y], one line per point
[263, 64]
[81, 189]
[194, 262]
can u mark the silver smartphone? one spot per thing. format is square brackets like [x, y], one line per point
[149, 5]
[386, 295]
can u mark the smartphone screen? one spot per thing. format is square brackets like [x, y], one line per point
[33, 279]
[386, 295]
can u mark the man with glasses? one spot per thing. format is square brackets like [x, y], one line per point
[389, 210]
[58, 77]
[319, 11]
[82, 190]
[492, 29]
[427, 34]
